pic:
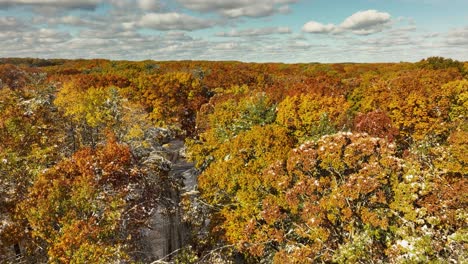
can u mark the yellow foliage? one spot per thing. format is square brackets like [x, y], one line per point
[92, 106]
[303, 114]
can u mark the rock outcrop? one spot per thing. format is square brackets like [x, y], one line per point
[167, 232]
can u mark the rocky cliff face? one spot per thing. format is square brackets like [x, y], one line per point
[167, 232]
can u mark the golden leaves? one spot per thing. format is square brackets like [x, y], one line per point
[77, 206]
[306, 115]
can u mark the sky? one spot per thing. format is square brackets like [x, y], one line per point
[288, 31]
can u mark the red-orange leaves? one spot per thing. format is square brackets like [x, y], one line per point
[271, 211]
[377, 124]
[337, 190]
[174, 98]
[304, 162]
[13, 77]
[417, 103]
[80, 206]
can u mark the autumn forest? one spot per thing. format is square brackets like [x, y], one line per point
[250, 162]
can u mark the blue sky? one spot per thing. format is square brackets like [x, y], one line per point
[245, 30]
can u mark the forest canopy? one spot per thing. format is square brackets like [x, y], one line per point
[295, 163]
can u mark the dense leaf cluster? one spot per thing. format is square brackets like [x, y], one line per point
[302, 163]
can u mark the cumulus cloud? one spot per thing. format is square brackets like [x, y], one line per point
[227, 46]
[299, 45]
[68, 20]
[388, 41]
[144, 5]
[149, 5]
[46, 35]
[52, 7]
[285, 9]
[239, 8]
[360, 23]
[173, 21]
[112, 33]
[255, 32]
[10, 23]
[177, 36]
[458, 37]
[72, 20]
[14, 42]
[78, 4]
[366, 22]
[115, 32]
[316, 27]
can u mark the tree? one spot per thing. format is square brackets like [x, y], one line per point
[220, 121]
[328, 201]
[417, 103]
[13, 77]
[91, 111]
[311, 116]
[438, 63]
[88, 208]
[429, 202]
[375, 123]
[83, 166]
[348, 198]
[30, 139]
[174, 98]
[233, 182]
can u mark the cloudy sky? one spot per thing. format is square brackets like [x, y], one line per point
[245, 30]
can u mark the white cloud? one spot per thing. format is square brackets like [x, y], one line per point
[299, 45]
[116, 33]
[132, 5]
[255, 32]
[239, 8]
[173, 21]
[72, 20]
[366, 22]
[177, 36]
[316, 27]
[68, 20]
[226, 46]
[46, 35]
[458, 37]
[285, 9]
[14, 42]
[113, 33]
[388, 41]
[149, 5]
[360, 23]
[258, 10]
[80, 4]
[10, 23]
[366, 19]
